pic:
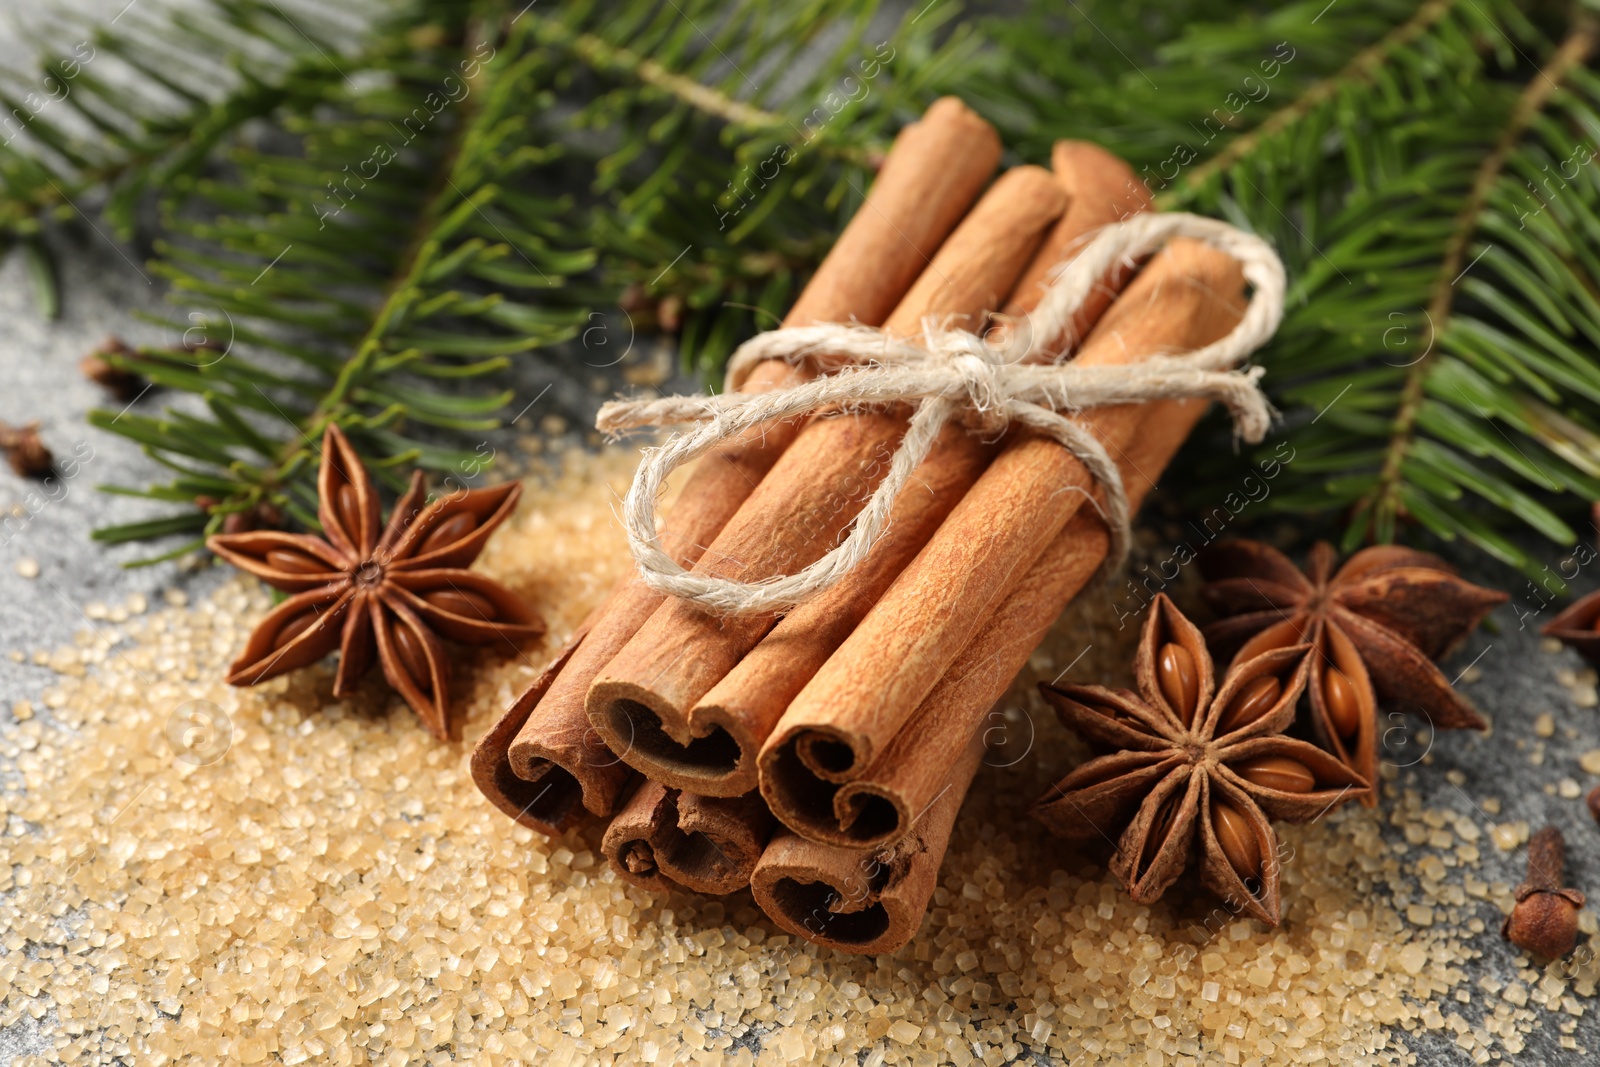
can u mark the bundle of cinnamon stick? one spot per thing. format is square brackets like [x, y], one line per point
[821, 757]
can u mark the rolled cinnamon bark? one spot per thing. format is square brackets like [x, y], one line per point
[1100, 189]
[642, 702]
[877, 807]
[552, 800]
[852, 708]
[931, 176]
[664, 839]
[749, 700]
[864, 901]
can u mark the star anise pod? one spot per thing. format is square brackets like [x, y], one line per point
[391, 594]
[1194, 766]
[1578, 627]
[1377, 624]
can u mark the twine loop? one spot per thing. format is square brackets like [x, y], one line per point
[989, 383]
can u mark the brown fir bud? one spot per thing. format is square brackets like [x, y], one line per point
[1594, 803]
[239, 522]
[1544, 920]
[26, 453]
[265, 515]
[669, 314]
[633, 299]
[120, 382]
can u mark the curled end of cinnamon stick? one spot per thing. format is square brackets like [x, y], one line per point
[541, 765]
[847, 899]
[665, 839]
[807, 778]
[706, 757]
[806, 782]
[863, 900]
[549, 799]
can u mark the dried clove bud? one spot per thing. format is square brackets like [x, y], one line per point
[26, 452]
[120, 382]
[1594, 803]
[1544, 920]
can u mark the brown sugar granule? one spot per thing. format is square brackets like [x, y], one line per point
[198, 874]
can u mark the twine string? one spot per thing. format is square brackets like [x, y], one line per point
[953, 374]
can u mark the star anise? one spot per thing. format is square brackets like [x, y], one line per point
[1578, 627]
[1194, 766]
[1377, 625]
[392, 594]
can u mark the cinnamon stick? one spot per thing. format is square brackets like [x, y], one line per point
[644, 701]
[871, 900]
[1100, 189]
[664, 839]
[552, 800]
[877, 807]
[864, 901]
[934, 172]
[851, 709]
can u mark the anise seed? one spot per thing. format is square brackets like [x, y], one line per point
[412, 657]
[294, 628]
[462, 602]
[1339, 697]
[349, 504]
[1180, 682]
[1251, 702]
[1160, 827]
[1238, 840]
[1277, 772]
[284, 559]
[448, 532]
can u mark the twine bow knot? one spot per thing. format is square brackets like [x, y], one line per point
[989, 384]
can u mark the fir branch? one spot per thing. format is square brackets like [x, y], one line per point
[612, 59]
[670, 155]
[1385, 502]
[1358, 72]
[404, 261]
[124, 148]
